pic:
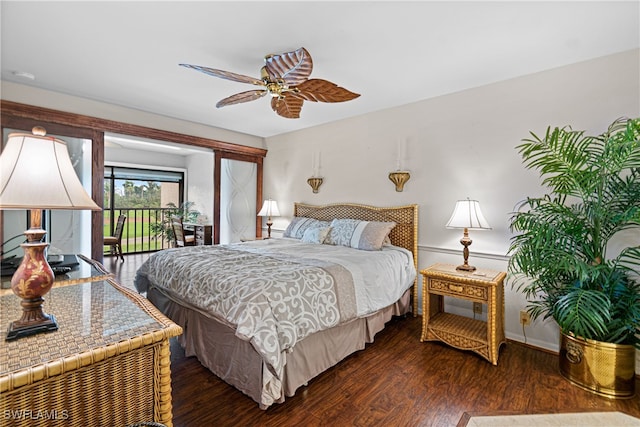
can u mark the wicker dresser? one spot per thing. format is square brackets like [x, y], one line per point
[108, 364]
[482, 286]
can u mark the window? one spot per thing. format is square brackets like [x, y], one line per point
[143, 195]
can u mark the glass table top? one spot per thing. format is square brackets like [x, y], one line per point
[89, 315]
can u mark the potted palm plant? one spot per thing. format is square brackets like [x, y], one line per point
[575, 253]
[163, 229]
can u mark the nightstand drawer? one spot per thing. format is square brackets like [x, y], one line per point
[457, 289]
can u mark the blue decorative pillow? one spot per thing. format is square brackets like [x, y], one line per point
[353, 233]
[300, 224]
[316, 235]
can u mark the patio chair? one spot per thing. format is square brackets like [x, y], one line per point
[115, 241]
[180, 238]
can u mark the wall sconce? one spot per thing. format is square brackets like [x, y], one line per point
[399, 178]
[315, 183]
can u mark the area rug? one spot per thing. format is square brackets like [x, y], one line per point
[581, 419]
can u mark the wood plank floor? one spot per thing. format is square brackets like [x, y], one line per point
[395, 381]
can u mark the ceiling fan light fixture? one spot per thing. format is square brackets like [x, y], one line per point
[286, 78]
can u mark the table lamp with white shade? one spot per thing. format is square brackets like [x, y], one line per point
[468, 216]
[35, 174]
[269, 209]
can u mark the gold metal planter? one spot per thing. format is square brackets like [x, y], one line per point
[602, 368]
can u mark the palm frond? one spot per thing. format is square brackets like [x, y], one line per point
[583, 312]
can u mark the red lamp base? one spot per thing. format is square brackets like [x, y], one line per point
[33, 279]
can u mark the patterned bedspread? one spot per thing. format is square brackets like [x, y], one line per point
[273, 295]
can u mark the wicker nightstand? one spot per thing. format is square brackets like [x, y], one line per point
[483, 286]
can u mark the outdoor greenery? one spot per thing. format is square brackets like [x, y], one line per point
[148, 224]
[560, 256]
[145, 195]
[163, 229]
[137, 236]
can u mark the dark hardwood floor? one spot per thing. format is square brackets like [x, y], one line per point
[395, 381]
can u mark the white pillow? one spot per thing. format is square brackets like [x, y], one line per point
[316, 235]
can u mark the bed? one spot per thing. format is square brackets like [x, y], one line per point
[281, 311]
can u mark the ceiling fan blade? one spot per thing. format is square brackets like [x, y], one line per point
[323, 91]
[286, 77]
[225, 74]
[287, 106]
[293, 67]
[241, 97]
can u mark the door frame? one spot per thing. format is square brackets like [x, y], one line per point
[218, 155]
[15, 115]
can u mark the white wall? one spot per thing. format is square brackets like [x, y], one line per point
[200, 184]
[460, 145]
[143, 157]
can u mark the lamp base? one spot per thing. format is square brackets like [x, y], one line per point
[16, 330]
[466, 241]
[466, 267]
[269, 224]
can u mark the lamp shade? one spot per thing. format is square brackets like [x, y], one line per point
[467, 214]
[36, 173]
[269, 208]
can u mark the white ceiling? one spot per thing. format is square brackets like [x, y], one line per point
[392, 53]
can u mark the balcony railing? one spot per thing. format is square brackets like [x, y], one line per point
[137, 236]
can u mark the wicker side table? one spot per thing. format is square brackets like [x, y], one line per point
[483, 286]
[108, 364]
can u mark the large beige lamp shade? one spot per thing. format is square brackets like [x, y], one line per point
[468, 216]
[36, 173]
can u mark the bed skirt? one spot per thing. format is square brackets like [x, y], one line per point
[237, 363]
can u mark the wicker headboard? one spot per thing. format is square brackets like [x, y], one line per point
[404, 234]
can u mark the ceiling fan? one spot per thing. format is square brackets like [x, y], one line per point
[286, 78]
